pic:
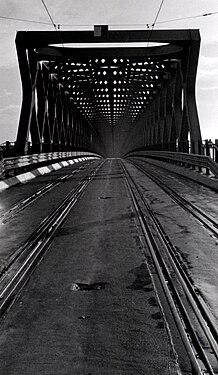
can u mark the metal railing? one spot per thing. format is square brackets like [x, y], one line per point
[210, 149]
[9, 162]
[187, 160]
[207, 158]
[19, 164]
[11, 149]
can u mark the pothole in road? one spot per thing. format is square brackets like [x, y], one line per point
[143, 278]
[75, 287]
[152, 301]
[105, 197]
[156, 315]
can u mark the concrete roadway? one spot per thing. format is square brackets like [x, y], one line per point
[90, 307]
[197, 246]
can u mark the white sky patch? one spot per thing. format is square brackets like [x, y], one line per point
[7, 50]
[5, 93]
[10, 107]
[209, 61]
[211, 88]
[207, 73]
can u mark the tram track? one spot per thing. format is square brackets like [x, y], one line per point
[23, 261]
[204, 218]
[192, 317]
[8, 215]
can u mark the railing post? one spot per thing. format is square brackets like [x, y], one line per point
[38, 148]
[21, 148]
[216, 150]
[29, 150]
[207, 150]
[1, 161]
[7, 149]
[200, 148]
[200, 152]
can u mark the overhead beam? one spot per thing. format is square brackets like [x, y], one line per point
[30, 38]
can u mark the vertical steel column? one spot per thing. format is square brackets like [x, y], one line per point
[157, 120]
[178, 102]
[41, 89]
[216, 150]
[69, 135]
[189, 94]
[28, 80]
[163, 112]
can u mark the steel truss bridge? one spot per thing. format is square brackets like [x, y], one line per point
[108, 92]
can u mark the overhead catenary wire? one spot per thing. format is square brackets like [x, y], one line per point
[155, 20]
[51, 19]
[24, 20]
[148, 25]
[49, 14]
[186, 18]
[158, 12]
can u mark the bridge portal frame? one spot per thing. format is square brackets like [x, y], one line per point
[168, 121]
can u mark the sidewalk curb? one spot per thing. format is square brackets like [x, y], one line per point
[25, 177]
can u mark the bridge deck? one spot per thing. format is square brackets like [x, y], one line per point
[91, 307]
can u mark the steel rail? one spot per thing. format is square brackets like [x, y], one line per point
[39, 229]
[20, 206]
[189, 288]
[205, 219]
[209, 222]
[22, 263]
[170, 289]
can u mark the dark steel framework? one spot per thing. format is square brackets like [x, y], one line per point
[108, 98]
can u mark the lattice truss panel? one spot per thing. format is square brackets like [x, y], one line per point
[58, 117]
[107, 89]
[111, 102]
[49, 114]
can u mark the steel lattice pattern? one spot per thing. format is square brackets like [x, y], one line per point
[107, 89]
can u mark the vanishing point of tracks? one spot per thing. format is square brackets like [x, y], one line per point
[190, 312]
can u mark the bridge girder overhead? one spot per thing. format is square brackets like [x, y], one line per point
[107, 98]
